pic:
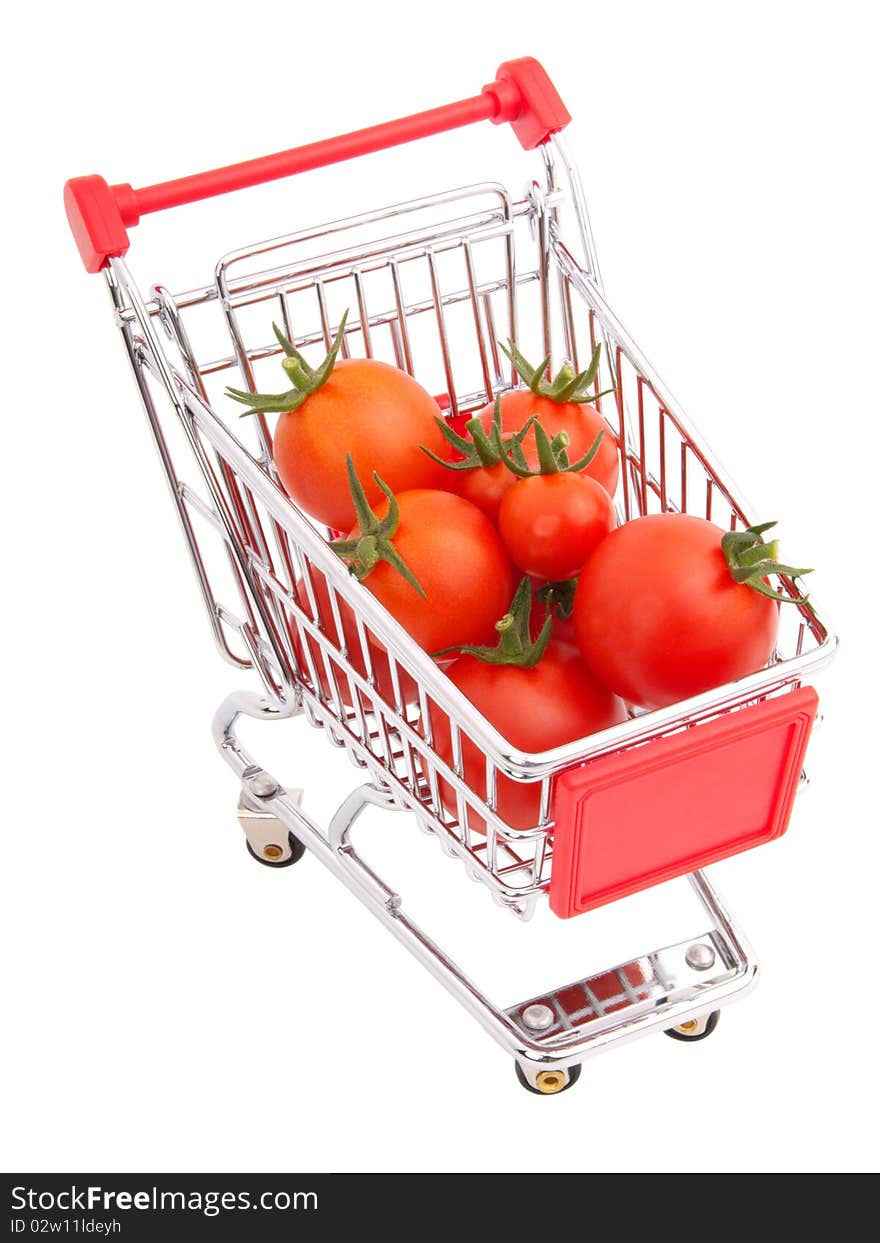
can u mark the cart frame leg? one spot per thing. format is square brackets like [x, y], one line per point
[657, 991]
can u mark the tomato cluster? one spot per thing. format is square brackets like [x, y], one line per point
[443, 524]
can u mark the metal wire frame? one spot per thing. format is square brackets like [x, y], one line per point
[315, 636]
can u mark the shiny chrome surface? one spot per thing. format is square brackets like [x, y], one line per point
[652, 990]
[700, 956]
[538, 1017]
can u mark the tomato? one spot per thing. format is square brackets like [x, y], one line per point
[556, 701]
[659, 616]
[563, 630]
[475, 466]
[485, 487]
[381, 669]
[582, 422]
[551, 523]
[374, 412]
[456, 555]
[563, 404]
[364, 407]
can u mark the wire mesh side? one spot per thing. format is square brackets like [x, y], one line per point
[665, 465]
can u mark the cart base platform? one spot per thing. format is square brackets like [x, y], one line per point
[678, 989]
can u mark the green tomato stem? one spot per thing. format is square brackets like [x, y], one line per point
[751, 561]
[482, 449]
[515, 646]
[374, 541]
[305, 379]
[565, 385]
[552, 455]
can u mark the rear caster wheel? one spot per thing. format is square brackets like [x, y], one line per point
[695, 1029]
[270, 854]
[549, 1082]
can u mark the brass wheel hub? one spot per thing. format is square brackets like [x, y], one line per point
[550, 1081]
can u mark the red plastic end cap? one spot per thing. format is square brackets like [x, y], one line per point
[95, 221]
[540, 113]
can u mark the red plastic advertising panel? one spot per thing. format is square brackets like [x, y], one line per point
[628, 821]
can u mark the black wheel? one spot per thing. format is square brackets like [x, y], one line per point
[711, 1023]
[297, 850]
[551, 1078]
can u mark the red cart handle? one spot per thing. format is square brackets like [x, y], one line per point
[100, 214]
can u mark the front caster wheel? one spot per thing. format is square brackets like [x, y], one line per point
[549, 1082]
[270, 853]
[695, 1029]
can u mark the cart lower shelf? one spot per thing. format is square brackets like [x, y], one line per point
[678, 989]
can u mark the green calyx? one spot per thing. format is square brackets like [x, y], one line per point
[483, 448]
[559, 597]
[552, 454]
[305, 379]
[374, 543]
[515, 646]
[566, 385]
[750, 560]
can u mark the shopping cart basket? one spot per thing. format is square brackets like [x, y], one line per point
[432, 285]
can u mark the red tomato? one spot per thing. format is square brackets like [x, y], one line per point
[358, 406]
[351, 641]
[551, 523]
[563, 630]
[659, 618]
[484, 486]
[457, 556]
[582, 421]
[374, 412]
[478, 472]
[554, 702]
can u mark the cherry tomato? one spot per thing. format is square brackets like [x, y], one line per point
[476, 455]
[554, 702]
[457, 556]
[659, 617]
[550, 524]
[376, 413]
[485, 487]
[580, 420]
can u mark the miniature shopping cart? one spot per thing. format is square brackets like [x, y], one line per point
[432, 285]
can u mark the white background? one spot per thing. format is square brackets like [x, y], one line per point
[168, 1003]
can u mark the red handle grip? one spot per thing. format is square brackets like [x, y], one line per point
[100, 214]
